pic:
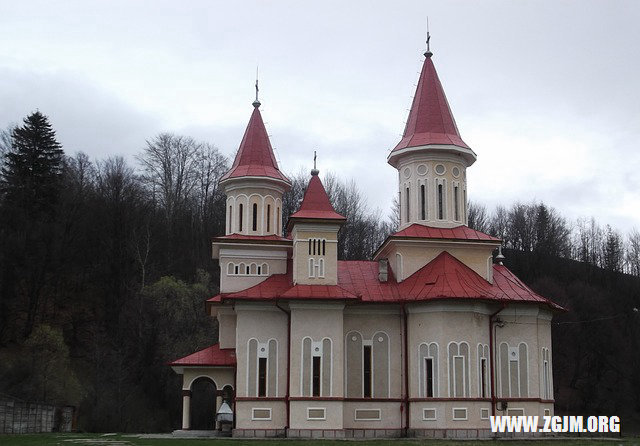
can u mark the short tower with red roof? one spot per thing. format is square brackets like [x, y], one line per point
[314, 230]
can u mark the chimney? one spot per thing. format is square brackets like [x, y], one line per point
[383, 270]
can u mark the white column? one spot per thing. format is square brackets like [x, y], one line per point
[186, 409]
[218, 404]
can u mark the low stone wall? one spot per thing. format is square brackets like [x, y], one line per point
[20, 417]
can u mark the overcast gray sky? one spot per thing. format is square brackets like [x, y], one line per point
[547, 93]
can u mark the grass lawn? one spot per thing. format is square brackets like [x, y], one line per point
[128, 440]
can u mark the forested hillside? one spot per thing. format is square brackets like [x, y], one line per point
[105, 265]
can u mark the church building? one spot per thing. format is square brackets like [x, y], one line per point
[429, 338]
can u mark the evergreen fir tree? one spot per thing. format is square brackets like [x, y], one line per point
[33, 166]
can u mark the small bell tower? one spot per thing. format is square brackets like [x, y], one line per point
[314, 228]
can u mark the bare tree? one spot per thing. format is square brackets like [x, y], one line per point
[169, 163]
[633, 252]
[478, 216]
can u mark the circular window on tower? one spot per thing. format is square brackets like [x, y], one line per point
[407, 172]
[456, 172]
[422, 169]
[440, 169]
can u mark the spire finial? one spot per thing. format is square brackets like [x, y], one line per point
[256, 103]
[314, 171]
[500, 257]
[428, 53]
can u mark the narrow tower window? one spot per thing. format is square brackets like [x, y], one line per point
[440, 203]
[464, 209]
[240, 218]
[367, 371]
[309, 246]
[316, 376]
[314, 247]
[456, 203]
[423, 202]
[255, 217]
[407, 198]
[262, 376]
[279, 227]
[428, 367]
[483, 377]
[268, 218]
[230, 219]
[323, 246]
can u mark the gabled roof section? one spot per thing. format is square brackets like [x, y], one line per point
[461, 232]
[255, 238]
[255, 156]
[315, 204]
[445, 277]
[210, 356]
[280, 286]
[430, 119]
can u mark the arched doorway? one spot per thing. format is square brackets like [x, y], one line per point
[203, 404]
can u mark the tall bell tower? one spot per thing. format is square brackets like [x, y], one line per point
[431, 159]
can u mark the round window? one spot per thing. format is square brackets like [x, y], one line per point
[407, 172]
[422, 169]
[456, 172]
[440, 169]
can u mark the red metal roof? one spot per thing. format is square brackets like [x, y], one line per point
[430, 119]
[461, 232]
[255, 156]
[445, 277]
[271, 237]
[213, 355]
[316, 204]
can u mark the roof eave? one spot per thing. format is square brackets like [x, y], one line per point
[467, 154]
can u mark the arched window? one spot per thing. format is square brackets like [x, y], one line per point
[311, 269]
[464, 205]
[407, 199]
[321, 268]
[255, 217]
[316, 379]
[546, 392]
[367, 363]
[265, 269]
[423, 202]
[253, 270]
[456, 203]
[268, 218]
[514, 374]
[458, 370]
[240, 217]
[242, 268]
[483, 371]
[230, 268]
[262, 370]
[428, 357]
[440, 202]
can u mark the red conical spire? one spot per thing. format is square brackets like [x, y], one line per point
[430, 119]
[315, 204]
[255, 156]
